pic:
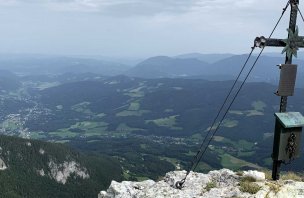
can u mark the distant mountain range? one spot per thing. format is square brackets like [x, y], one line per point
[209, 58]
[164, 67]
[266, 69]
[194, 65]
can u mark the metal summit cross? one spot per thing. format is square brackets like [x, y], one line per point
[286, 144]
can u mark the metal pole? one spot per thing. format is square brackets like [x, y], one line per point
[283, 103]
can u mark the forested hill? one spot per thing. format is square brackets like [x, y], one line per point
[30, 168]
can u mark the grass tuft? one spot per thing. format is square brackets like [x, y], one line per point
[247, 185]
[240, 173]
[274, 187]
[291, 176]
[248, 179]
[210, 185]
[268, 174]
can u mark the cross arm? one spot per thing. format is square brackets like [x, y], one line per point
[272, 42]
[275, 43]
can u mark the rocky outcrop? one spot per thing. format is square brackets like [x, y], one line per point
[61, 172]
[2, 165]
[222, 183]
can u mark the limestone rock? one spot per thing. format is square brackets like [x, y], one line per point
[220, 184]
[41, 151]
[61, 172]
[258, 176]
[2, 165]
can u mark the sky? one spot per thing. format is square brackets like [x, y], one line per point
[137, 28]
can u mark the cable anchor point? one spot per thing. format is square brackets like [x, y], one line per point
[179, 184]
[260, 42]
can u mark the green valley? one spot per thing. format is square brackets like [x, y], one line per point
[150, 126]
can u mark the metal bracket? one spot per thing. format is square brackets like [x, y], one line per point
[294, 2]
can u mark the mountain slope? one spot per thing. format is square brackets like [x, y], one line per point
[8, 81]
[30, 168]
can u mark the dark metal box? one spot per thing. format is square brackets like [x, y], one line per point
[288, 131]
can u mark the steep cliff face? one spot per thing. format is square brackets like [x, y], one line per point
[222, 183]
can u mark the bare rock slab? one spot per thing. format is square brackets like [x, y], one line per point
[216, 184]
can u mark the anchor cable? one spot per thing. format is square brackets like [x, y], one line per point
[199, 154]
[300, 13]
[227, 97]
[194, 162]
[224, 116]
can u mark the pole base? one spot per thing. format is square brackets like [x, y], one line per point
[276, 169]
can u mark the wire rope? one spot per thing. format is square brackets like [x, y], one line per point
[200, 153]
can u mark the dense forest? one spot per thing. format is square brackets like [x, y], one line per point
[25, 159]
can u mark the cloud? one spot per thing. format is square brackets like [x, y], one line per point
[75, 5]
[138, 27]
[110, 7]
[8, 3]
[125, 8]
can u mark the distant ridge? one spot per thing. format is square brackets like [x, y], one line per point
[167, 67]
[209, 58]
[196, 66]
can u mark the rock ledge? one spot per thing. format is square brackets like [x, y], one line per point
[221, 183]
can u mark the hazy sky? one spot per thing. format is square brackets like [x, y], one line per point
[136, 28]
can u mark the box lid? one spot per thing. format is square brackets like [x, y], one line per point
[291, 119]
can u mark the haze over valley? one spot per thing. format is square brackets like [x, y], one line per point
[151, 116]
[94, 91]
